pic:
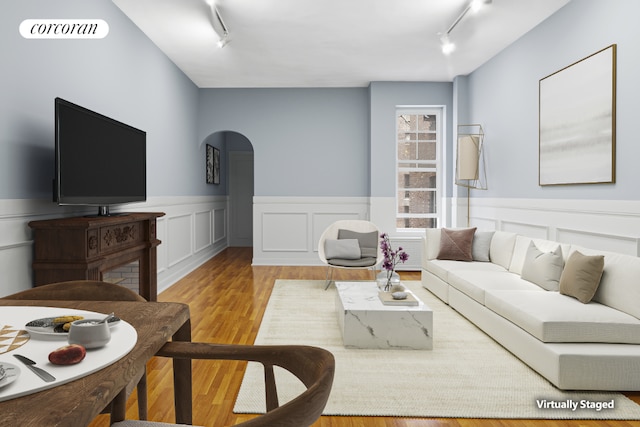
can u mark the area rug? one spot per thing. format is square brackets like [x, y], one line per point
[466, 375]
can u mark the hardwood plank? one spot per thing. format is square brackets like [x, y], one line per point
[227, 297]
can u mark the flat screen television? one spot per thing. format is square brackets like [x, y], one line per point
[99, 161]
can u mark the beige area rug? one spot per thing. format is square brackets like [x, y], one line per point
[466, 375]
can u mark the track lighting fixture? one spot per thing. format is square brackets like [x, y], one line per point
[447, 45]
[218, 25]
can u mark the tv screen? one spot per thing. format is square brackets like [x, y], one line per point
[99, 161]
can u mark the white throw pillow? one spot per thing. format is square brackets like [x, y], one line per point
[543, 268]
[342, 249]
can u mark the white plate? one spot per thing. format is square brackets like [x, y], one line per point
[46, 327]
[12, 372]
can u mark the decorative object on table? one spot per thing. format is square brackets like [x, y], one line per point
[55, 326]
[577, 122]
[68, 355]
[470, 164]
[388, 298]
[12, 338]
[11, 373]
[387, 278]
[90, 333]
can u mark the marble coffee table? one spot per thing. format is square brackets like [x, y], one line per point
[367, 323]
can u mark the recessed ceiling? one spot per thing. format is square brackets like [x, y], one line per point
[331, 43]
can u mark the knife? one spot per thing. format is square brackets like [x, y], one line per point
[38, 371]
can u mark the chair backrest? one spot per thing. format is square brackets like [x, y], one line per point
[357, 225]
[314, 366]
[78, 290]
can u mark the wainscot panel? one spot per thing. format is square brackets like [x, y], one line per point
[612, 225]
[287, 229]
[16, 241]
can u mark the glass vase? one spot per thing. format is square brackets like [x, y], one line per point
[387, 279]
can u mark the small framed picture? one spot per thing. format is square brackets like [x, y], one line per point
[213, 165]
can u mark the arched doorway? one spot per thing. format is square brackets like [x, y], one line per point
[237, 166]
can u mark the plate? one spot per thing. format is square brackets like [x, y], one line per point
[45, 326]
[12, 372]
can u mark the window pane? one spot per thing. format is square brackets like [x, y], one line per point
[427, 122]
[417, 201]
[416, 180]
[427, 151]
[407, 122]
[416, 222]
[406, 150]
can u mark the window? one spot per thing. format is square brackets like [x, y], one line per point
[419, 138]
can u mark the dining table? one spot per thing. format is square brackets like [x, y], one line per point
[78, 402]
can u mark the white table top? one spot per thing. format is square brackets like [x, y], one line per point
[363, 296]
[123, 339]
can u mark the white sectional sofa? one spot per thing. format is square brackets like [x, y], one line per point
[574, 345]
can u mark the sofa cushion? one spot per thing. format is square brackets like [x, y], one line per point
[474, 283]
[581, 276]
[360, 262]
[442, 268]
[456, 244]
[553, 317]
[342, 248]
[543, 268]
[521, 247]
[481, 245]
[501, 248]
[619, 286]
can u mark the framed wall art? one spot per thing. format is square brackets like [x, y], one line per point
[577, 122]
[213, 165]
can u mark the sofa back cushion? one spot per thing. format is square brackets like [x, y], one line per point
[501, 249]
[522, 245]
[619, 286]
[432, 244]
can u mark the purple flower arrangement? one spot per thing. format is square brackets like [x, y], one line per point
[391, 257]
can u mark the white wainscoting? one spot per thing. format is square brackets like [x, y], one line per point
[193, 230]
[286, 230]
[608, 225]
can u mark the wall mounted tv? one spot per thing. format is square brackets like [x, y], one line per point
[99, 161]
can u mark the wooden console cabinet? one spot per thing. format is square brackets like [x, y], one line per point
[84, 248]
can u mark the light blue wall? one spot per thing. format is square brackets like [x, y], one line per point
[124, 76]
[503, 97]
[307, 142]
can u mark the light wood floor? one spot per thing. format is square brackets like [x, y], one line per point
[227, 298]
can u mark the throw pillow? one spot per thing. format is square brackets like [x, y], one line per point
[481, 245]
[456, 244]
[368, 241]
[543, 268]
[581, 276]
[344, 249]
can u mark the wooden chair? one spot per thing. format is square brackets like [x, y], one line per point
[312, 365]
[90, 290]
[361, 227]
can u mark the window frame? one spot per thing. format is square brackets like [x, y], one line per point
[439, 113]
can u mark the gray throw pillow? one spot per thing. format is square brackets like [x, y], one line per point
[543, 268]
[480, 246]
[368, 241]
[343, 248]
